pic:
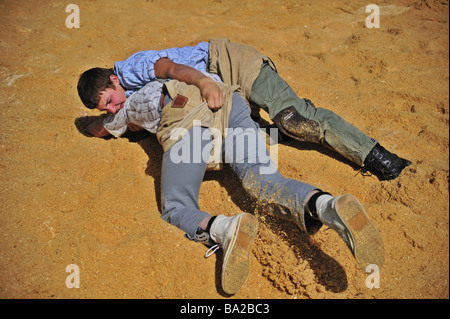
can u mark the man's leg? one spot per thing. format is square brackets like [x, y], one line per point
[180, 185]
[248, 156]
[300, 119]
[292, 199]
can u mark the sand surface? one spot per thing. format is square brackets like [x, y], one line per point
[68, 199]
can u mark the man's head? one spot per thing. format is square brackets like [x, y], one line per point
[100, 89]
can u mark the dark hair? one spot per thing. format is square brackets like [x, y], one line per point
[91, 83]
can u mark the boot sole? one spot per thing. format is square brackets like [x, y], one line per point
[368, 245]
[236, 264]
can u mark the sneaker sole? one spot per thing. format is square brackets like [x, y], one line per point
[236, 264]
[368, 245]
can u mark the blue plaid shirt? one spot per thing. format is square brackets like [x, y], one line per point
[139, 69]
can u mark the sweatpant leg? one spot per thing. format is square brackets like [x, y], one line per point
[246, 152]
[181, 177]
[273, 94]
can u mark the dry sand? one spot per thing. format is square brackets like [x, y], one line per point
[69, 199]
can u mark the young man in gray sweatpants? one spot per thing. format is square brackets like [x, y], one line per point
[287, 198]
[245, 151]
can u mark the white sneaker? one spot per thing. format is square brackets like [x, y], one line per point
[235, 235]
[347, 216]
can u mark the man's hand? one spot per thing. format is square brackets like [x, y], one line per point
[95, 126]
[166, 69]
[211, 93]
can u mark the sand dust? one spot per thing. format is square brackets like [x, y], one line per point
[69, 199]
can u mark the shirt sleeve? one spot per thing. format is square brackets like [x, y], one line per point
[116, 124]
[139, 68]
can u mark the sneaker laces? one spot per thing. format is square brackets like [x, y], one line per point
[212, 250]
[203, 237]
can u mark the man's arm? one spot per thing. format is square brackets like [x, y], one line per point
[166, 69]
[139, 68]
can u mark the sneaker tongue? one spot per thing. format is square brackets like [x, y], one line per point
[222, 229]
[322, 209]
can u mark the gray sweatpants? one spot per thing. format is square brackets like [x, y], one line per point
[245, 150]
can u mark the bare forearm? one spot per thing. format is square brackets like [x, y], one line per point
[164, 68]
[188, 75]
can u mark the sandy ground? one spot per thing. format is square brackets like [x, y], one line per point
[69, 199]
